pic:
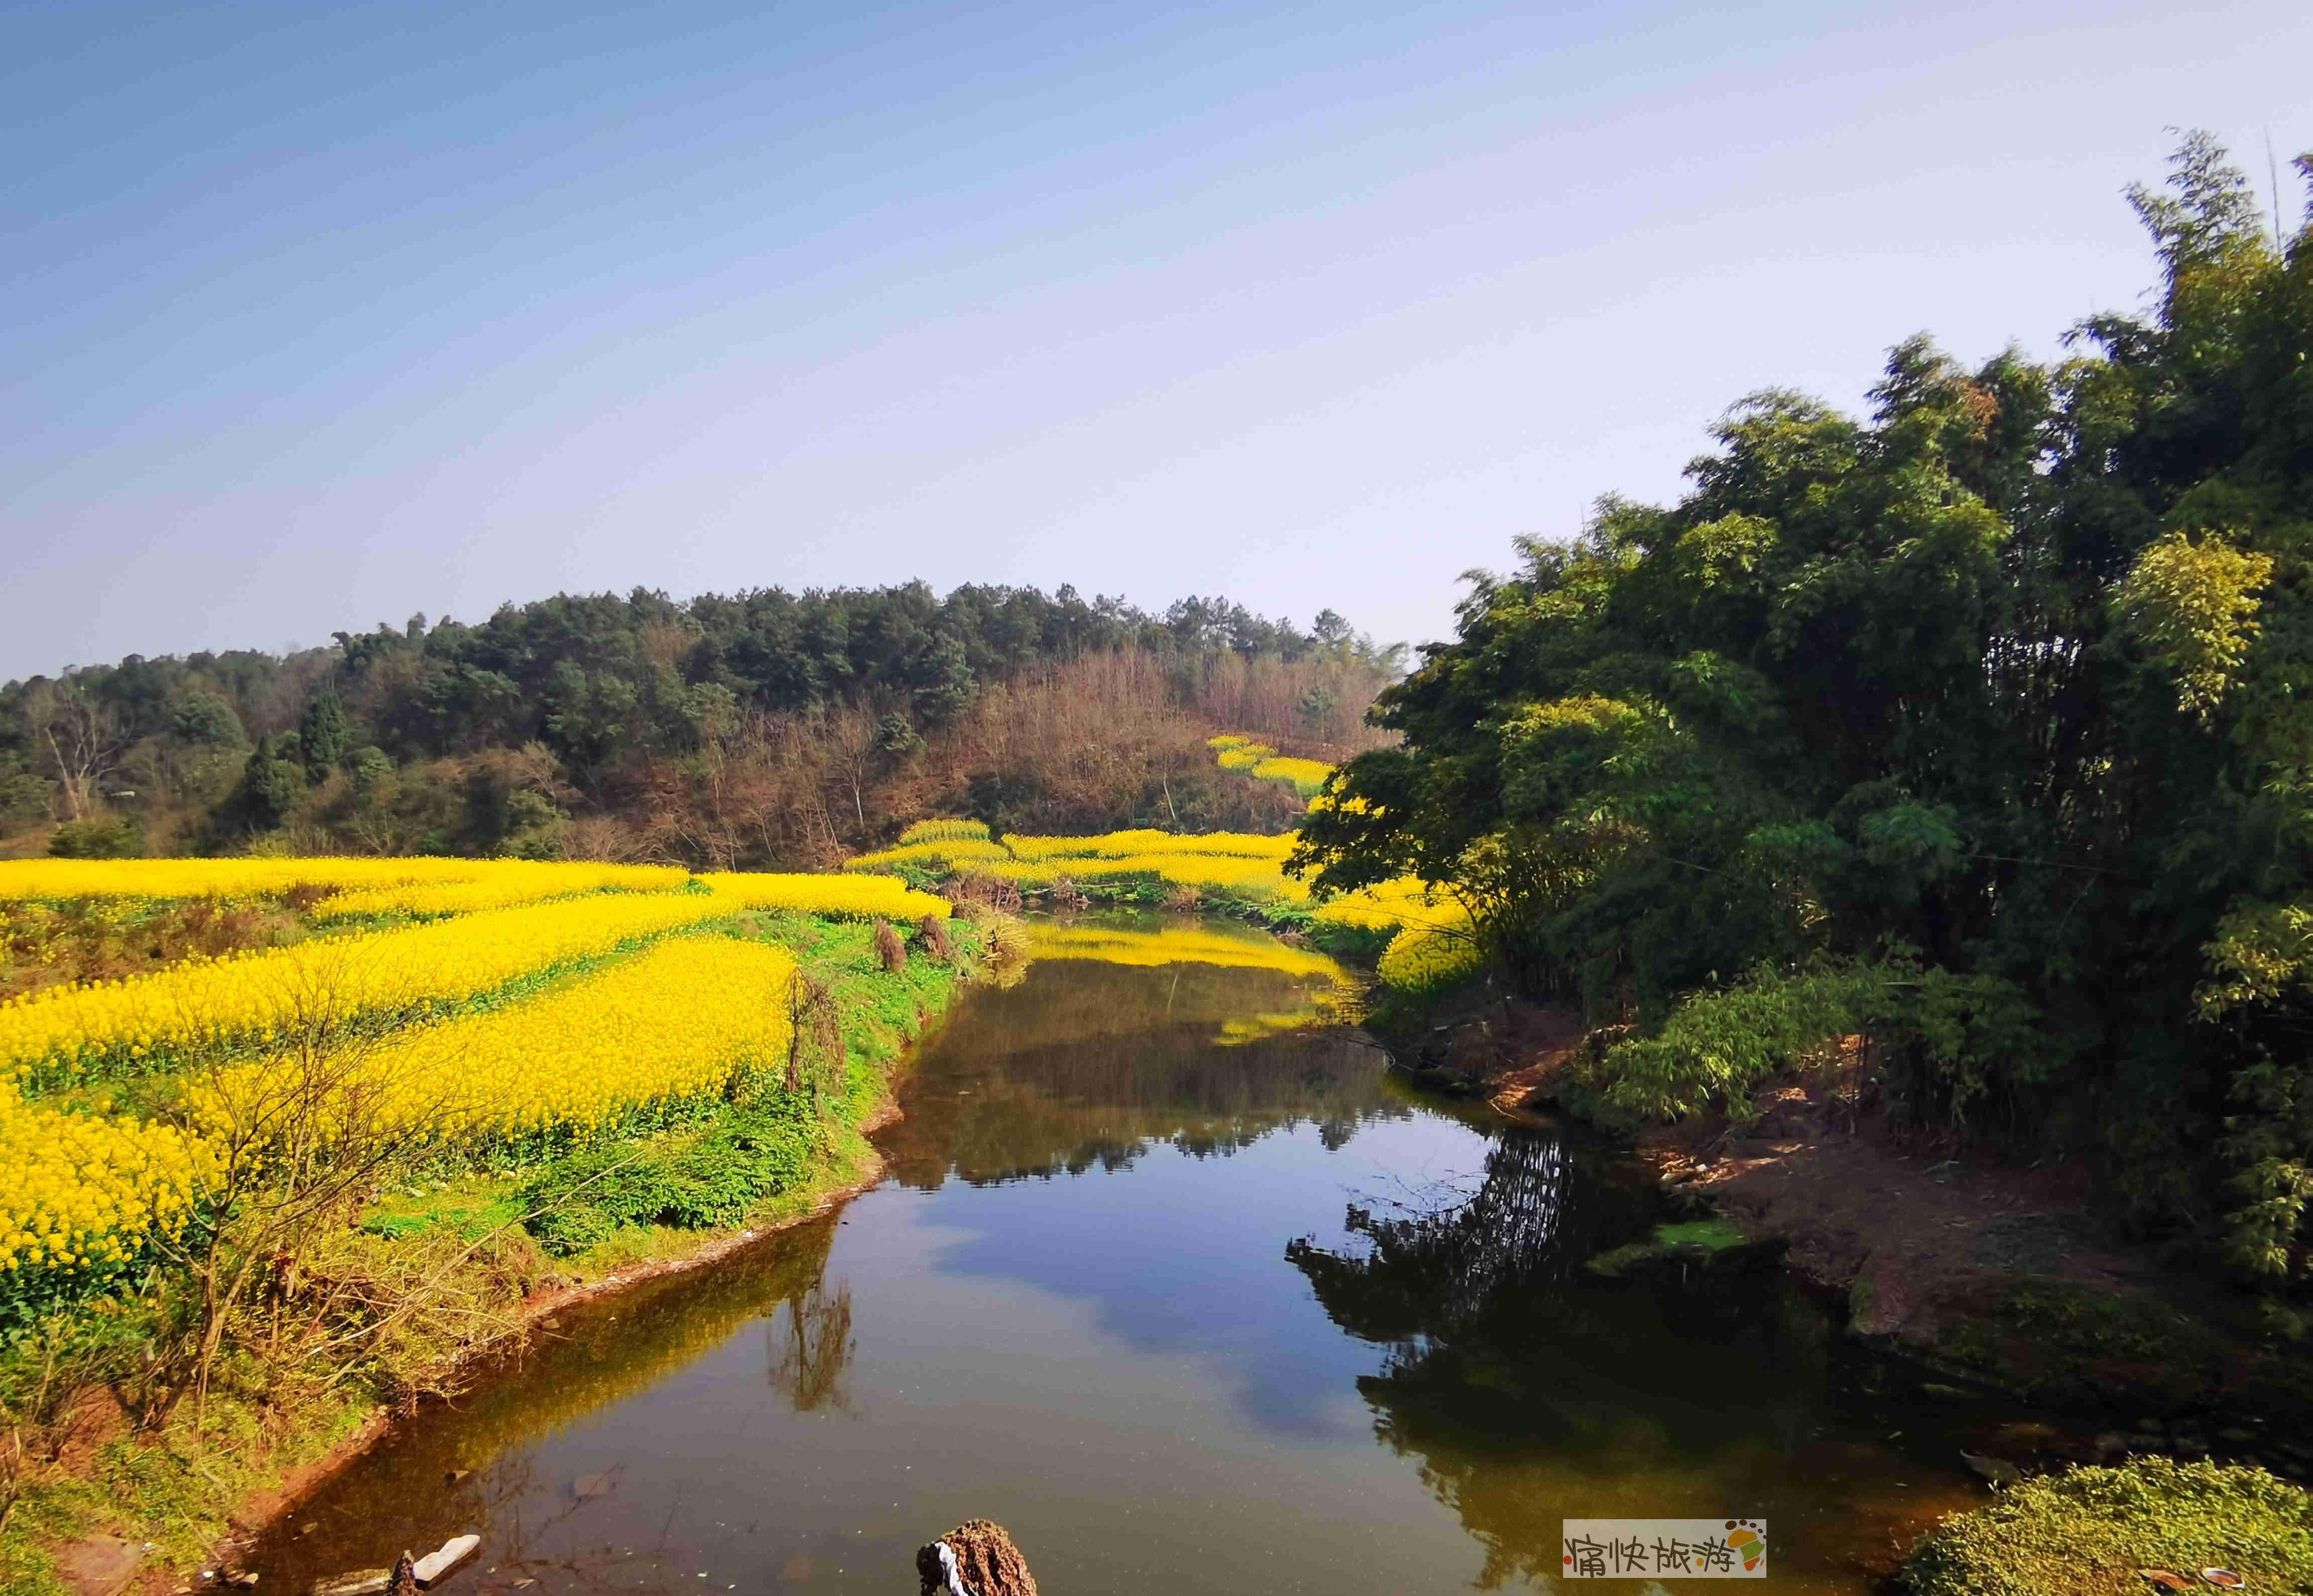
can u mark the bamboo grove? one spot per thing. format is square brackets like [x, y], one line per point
[1977, 727]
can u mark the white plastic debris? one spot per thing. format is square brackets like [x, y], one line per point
[947, 1566]
[433, 1565]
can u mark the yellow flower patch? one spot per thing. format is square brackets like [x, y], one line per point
[203, 1005]
[669, 1025]
[836, 897]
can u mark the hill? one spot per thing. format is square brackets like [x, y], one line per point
[764, 728]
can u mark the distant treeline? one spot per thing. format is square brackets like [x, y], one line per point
[766, 727]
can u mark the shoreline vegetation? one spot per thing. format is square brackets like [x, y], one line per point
[265, 1197]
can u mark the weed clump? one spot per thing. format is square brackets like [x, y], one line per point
[2089, 1531]
[758, 1150]
[890, 953]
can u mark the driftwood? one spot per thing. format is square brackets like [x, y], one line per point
[975, 1558]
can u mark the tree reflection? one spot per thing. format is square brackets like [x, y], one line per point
[809, 1348]
[466, 1464]
[1425, 1274]
[1529, 1391]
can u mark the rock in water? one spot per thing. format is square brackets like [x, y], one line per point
[975, 1558]
[434, 1565]
[1997, 1470]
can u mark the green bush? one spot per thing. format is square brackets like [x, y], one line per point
[2088, 1531]
[95, 839]
[716, 1177]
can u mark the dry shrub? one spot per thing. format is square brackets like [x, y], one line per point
[815, 1055]
[935, 935]
[1065, 895]
[420, 1311]
[890, 953]
[983, 892]
[1182, 896]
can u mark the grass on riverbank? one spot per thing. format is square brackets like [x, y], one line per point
[440, 1262]
[2090, 1531]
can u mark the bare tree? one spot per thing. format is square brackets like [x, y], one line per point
[295, 1140]
[82, 738]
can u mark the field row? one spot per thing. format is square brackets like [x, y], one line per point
[87, 1194]
[504, 1003]
[199, 1008]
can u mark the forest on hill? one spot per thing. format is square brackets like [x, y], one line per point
[1977, 730]
[766, 728]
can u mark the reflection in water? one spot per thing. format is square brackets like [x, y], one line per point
[593, 1358]
[1528, 1392]
[1108, 1050]
[810, 1346]
[1520, 1386]
[1110, 1297]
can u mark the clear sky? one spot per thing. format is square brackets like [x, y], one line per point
[313, 315]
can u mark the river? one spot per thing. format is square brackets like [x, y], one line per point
[1172, 1277]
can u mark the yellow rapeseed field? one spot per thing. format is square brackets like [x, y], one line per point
[86, 1194]
[1305, 776]
[57, 879]
[934, 854]
[1429, 959]
[205, 1004]
[1122, 844]
[835, 897]
[1402, 902]
[1435, 945]
[945, 831]
[502, 884]
[672, 1024]
[1243, 754]
[83, 1195]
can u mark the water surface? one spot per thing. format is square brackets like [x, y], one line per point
[1179, 1283]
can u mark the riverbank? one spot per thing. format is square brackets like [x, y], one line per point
[1976, 1279]
[678, 1252]
[103, 1501]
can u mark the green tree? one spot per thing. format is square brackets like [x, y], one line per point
[205, 720]
[324, 734]
[272, 785]
[1980, 724]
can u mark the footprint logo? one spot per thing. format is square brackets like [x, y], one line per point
[1747, 1540]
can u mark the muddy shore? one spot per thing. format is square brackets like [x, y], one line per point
[1976, 1279]
[106, 1565]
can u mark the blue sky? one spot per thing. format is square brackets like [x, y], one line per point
[311, 317]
